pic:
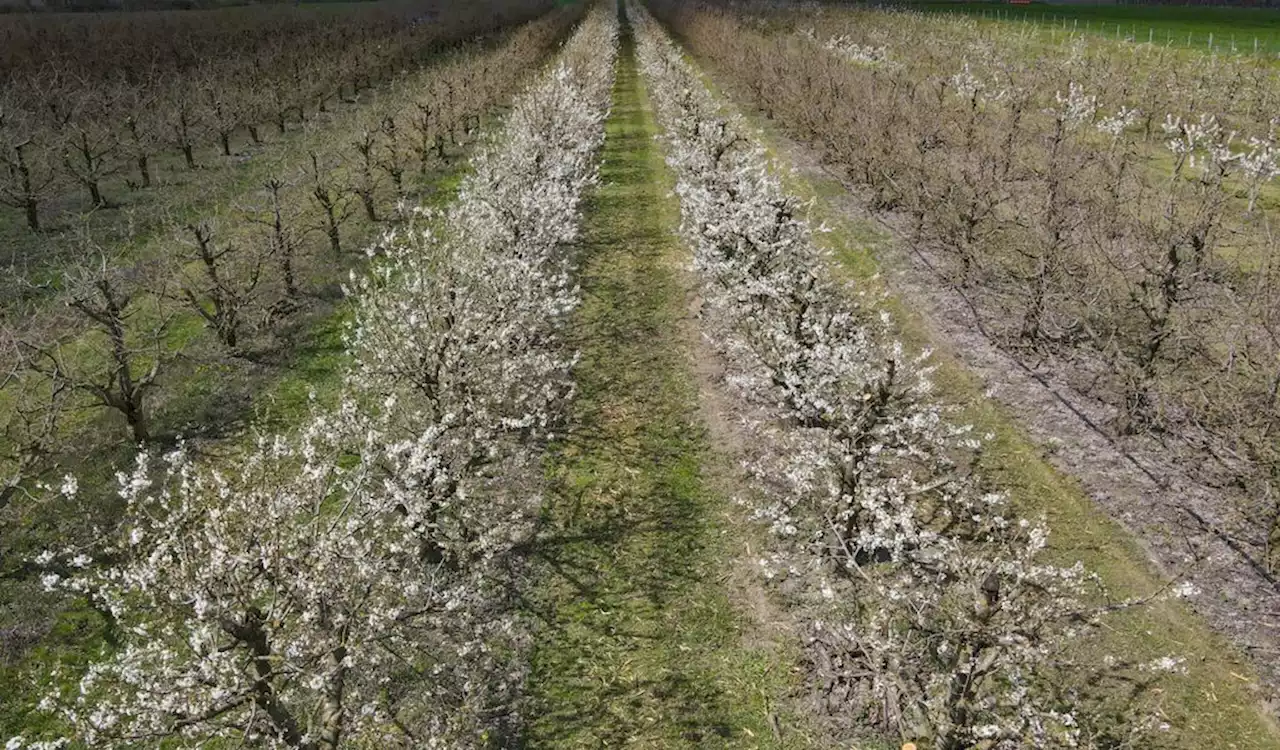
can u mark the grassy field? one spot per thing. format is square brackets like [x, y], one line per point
[1197, 27]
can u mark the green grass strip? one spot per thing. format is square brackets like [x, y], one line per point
[639, 641]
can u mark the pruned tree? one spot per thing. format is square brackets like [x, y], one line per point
[423, 120]
[26, 176]
[256, 111]
[185, 118]
[276, 216]
[90, 143]
[141, 142]
[36, 403]
[334, 200]
[223, 288]
[366, 166]
[1172, 270]
[225, 112]
[977, 184]
[281, 95]
[116, 356]
[391, 154]
[1051, 251]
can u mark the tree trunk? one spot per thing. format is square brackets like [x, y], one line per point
[335, 237]
[331, 712]
[30, 202]
[137, 423]
[33, 214]
[144, 170]
[253, 635]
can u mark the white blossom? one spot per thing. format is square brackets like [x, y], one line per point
[349, 578]
[1115, 125]
[858, 53]
[914, 575]
[1075, 108]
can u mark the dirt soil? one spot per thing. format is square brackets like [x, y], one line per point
[767, 626]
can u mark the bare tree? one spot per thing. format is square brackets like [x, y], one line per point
[26, 184]
[1175, 273]
[366, 185]
[90, 143]
[281, 95]
[141, 141]
[26, 178]
[185, 117]
[1052, 249]
[117, 358]
[333, 199]
[222, 291]
[391, 156]
[29, 431]
[277, 217]
[423, 122]
[225, 111]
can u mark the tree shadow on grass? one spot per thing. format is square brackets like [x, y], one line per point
[628, 619]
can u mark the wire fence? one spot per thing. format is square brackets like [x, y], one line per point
[1208, 41]
[1213, 41]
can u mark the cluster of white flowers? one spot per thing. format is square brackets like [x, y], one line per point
[1263, 158]
[1202, 143]
[1115, 125]
[863, 54]
[1261, 163]
[966, 84]
[344, 584]
[1073, 109]
[849, 50]
[929, 609]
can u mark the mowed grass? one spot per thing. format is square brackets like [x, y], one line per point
[639, 643]
[1189, 26]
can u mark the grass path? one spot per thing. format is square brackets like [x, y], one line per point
[640, 644]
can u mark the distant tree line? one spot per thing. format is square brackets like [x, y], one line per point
[96, 6]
